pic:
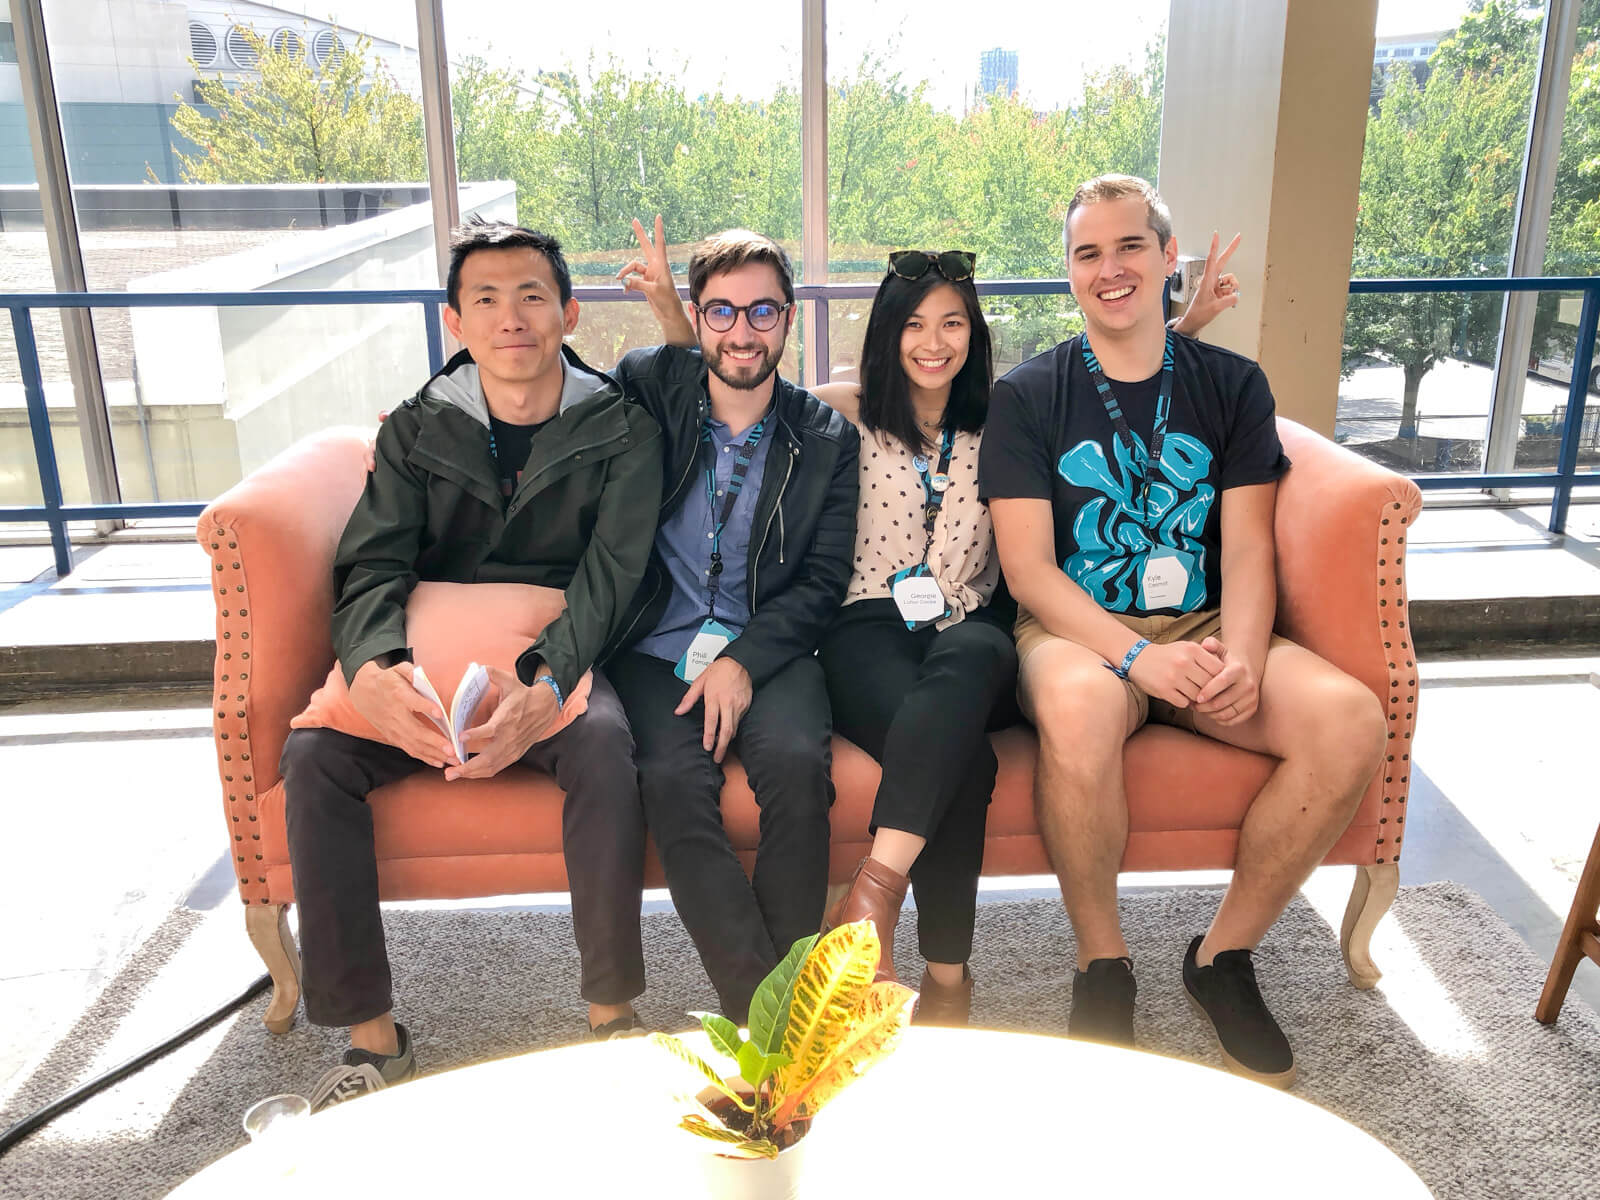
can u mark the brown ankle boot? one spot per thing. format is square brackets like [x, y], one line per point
[875, 892]
[941, 1005]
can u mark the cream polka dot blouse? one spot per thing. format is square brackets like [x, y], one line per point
[890, 534]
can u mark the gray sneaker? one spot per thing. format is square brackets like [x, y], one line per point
[363, 1072]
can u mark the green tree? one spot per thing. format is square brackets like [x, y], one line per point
[341, 122]
[501, 131]
[1439, 184]
[1439, 181]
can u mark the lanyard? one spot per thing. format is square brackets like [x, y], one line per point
[741, 467]
[507, 486]
[1158, 434]
[934, 486]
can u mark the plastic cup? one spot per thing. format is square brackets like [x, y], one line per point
[275, 1126]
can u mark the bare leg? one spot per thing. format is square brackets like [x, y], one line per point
[1328, 731]
[897, 849]
[377, 1035]
[600, 1014]
[1083, 714]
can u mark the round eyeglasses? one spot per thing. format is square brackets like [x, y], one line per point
[720, 316]
[954, 265]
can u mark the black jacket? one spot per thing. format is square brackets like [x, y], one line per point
[582, 517]
[803, 539]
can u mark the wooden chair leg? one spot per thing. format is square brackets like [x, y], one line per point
[1580, 938]
[1374, 892]
[268, 927]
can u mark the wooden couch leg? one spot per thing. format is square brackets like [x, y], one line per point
[268, 926]
[1371, 897]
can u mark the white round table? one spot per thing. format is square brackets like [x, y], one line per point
[950, 1113]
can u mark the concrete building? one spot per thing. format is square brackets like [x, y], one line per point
[122, 67]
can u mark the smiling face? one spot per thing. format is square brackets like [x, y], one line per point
[742, 357]
[935, 339]
[1117, 266]
[511, 318]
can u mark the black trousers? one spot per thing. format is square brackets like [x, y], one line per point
[920, 703]
[327, 776]
[741, 926]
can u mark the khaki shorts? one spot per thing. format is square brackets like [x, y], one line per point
[1186, 627]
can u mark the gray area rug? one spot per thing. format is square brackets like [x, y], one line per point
[1443, 1062]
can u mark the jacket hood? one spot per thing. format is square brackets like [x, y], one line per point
[458, 384]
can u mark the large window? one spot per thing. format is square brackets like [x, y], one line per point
[302, 169]
[975, 142]
[1444, 154]
[596, 121]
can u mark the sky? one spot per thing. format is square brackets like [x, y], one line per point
[748, 48]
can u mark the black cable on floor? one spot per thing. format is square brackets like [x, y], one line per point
[77, 1096]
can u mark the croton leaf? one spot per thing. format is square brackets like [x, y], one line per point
[742, 1146]
[724, 1034]
[676, 1047]
[769, 1007]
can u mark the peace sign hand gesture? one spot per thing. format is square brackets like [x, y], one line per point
[651, 277]
[1216, 292]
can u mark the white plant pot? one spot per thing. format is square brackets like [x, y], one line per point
[755, 1178]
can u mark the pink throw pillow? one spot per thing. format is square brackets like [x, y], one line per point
[449, 625]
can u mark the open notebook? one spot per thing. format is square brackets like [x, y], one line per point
[462, 708]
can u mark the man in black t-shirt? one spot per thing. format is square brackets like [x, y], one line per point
[1148, 593]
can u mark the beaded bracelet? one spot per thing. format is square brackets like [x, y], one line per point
[554, 687]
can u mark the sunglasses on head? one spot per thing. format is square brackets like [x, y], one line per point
[720, 316]
[954, 265]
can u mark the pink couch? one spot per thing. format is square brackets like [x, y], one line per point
[1341, 528]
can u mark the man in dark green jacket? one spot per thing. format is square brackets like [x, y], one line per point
[515, 464]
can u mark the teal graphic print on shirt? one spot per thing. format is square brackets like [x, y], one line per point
[1113, 542]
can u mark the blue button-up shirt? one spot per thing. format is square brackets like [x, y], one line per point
[684, 543]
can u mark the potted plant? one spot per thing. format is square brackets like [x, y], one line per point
[815, 1024]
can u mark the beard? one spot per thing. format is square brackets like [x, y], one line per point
[745, 377]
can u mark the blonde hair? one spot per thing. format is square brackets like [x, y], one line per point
[1120, 187]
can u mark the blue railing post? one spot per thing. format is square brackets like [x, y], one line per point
[44, 444]
[431, 318]
[820, 333]
[1577, 393]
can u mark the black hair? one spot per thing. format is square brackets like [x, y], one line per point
[477, 234]
[886, 406]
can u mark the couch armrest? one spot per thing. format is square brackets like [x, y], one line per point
[1340, 532]
[271, 539]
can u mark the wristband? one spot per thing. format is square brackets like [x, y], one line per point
[1127, 659]
[554, 687]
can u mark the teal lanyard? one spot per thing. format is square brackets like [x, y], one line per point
[741, 467]
[1158, 434]
[934, 486]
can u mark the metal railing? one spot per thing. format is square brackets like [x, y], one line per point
[55, 513]
[1566, 476]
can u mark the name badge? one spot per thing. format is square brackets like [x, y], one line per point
[712, 639]
[1166, 578]
[916, 594]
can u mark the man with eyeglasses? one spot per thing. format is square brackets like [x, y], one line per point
[751, 561]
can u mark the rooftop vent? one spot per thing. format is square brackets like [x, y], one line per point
[327, 47]
[288, 42]
[202, 44]
[240, 50]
